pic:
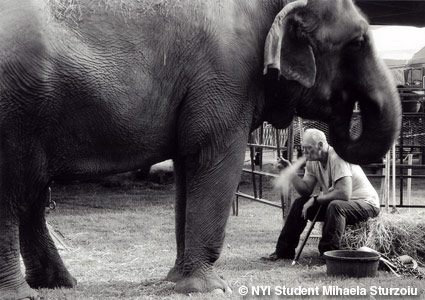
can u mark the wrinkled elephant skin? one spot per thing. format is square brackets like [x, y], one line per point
[87, 90]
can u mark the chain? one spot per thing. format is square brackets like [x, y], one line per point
[406, 270]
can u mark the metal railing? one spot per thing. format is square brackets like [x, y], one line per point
[256, 146]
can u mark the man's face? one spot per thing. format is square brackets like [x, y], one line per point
[311, 150]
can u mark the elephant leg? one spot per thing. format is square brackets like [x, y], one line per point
[176, 272]
[44, 267]
[12, 282]
[211, 180]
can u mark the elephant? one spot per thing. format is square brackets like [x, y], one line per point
[93, 88]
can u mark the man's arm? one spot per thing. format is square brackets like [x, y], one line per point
[341, 191]
[304, 186]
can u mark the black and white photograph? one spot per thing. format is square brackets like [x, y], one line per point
[212, 149]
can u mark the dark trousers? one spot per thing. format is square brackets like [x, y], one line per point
[335, 216]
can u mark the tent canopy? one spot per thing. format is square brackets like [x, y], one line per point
[383, 12]
[418, 58]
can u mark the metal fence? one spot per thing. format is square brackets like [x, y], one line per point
[269, 139]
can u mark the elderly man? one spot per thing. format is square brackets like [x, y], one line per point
[348, 197]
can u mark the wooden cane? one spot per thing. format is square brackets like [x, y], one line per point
[297, 256]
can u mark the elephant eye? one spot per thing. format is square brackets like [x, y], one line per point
[356, 44]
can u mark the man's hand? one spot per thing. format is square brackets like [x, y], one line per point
[282, 163]
[306, 207]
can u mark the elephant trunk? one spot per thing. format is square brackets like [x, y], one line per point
[380, 111]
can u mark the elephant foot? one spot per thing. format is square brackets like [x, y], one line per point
[52, 281]
[175, 274]
[24, 292]
[208, 282]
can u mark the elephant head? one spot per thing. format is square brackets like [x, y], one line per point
[324, 55]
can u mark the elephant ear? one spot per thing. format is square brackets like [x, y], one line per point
[292, 57]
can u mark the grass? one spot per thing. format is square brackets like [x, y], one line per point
[122, 246]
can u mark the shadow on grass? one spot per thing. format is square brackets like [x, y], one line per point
[309, 259]
[113, 290]
[93, 198]
[158, 287]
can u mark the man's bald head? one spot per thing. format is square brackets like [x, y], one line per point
[313, 137]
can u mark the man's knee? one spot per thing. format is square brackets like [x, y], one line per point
[336, 206]
[299, 202]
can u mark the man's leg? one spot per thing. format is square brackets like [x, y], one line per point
[291, 231]
[340, 213]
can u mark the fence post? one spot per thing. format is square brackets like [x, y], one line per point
[409, 179]
[385, 182]
[260, 184]
[394, 177]
[400, 153]
[251, 152]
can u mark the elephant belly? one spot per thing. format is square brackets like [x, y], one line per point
[108, 154]
[105, 140]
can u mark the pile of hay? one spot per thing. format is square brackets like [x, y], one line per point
[390, 234]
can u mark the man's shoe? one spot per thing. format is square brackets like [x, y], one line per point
[271, 257]
[274, 256]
